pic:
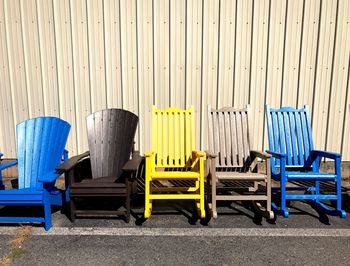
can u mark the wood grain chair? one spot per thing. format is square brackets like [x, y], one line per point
[294, 159]
[106, 170]
[174, 157]
[230, 159]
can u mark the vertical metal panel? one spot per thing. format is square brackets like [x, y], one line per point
[275, 50]
[81, 68]
[177, 52]
[210, 61]
[96, 54]
[277, 24]
[339, 84]
[323, 74]
[16, 64]
[291, 53]
[32, 57]
[7, 132]
[194, 67]
[69, 58]
[258, 72]
[48, 57]
[65, 74]
[226, 53]
[113, 57]
[309, 53]
[161, 55]
[145, 70]
[243, 52]
[129, 57]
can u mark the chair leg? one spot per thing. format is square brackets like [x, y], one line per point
[47, 215]
[148, 204]
[341, 212]
[72, 210]
[202, 197]
[128, 205]
[213, 197]
[317, 190]
[283, 198]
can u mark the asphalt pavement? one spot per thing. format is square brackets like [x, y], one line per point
[174, 236]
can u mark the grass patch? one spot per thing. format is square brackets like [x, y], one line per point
[16, 245]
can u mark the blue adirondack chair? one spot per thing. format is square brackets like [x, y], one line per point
[294, 159]
[40, 148]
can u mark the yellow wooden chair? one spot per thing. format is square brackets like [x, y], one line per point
[173, 157]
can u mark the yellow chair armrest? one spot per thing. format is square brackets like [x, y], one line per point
[198, 154]
[149, 154]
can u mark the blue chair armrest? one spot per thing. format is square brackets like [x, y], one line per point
[279, 155]
[49, 177]
[325, 154]
[4, 166]
[1, 154]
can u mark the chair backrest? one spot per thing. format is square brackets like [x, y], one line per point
[289, 131]
[40, 146]
[229, 136]
[111, 135]
[173, 136]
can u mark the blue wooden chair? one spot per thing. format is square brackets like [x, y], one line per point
[294, 159]
[40, 147]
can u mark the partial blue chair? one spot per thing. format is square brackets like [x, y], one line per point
[40, 148]
[294, 159]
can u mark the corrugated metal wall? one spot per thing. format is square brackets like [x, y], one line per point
[69, 58]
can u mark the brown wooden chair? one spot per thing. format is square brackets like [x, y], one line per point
[230, 159]
[106, 170]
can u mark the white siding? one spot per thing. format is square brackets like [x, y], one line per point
[70, 58]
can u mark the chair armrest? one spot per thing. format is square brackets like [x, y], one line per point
[325, 154]
[150, 154]
[211, 154]
[133, 164]
[4, 166]
[260, 154]
[70, 163]
[49, 177]
[198, 153]
[1, 154]
[279, 155]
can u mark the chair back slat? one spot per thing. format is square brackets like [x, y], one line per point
[240, 153]
[299, 139]
[305, 136]
[289, 131]
[111, 134]
[293, 138]
[234, 138]
[245, 134]
[173, 136]
[222, 139]
[229, 136]
[228, 146]
[40, 146]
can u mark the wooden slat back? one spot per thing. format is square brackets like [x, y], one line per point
[111, 134]
[229, 136]
[289, 131]
[40, 146]
[173, 136]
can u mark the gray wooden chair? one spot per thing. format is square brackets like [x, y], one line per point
[230, 159]
[109, 168]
